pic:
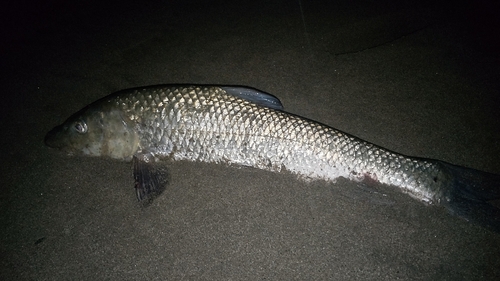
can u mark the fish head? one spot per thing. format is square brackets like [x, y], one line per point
[96, 131]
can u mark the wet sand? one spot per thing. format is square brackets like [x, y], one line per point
[420, 79]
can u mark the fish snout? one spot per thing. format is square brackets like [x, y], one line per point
[53, 138]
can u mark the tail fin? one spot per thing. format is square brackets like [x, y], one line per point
[469, 193]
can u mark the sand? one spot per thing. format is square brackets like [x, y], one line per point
[420, 79]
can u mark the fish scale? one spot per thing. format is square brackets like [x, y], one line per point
[244, 126]
[277, 139]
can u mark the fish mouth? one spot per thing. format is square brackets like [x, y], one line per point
[54, 138]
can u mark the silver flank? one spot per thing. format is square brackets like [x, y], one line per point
[207, 124]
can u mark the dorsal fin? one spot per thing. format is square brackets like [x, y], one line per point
[255, 96]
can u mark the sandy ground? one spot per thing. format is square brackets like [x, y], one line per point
[420, 79]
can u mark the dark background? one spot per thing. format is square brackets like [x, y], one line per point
[418, 77]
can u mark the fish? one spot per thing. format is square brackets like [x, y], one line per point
[239, 125]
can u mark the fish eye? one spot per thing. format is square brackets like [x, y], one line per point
[80, 127]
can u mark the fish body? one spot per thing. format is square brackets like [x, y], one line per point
[244, 126]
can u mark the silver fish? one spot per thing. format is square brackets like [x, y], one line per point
[245, 126]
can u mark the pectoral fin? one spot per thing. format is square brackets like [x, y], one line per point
[150, 178]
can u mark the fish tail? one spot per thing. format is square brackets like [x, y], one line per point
[469, 195]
